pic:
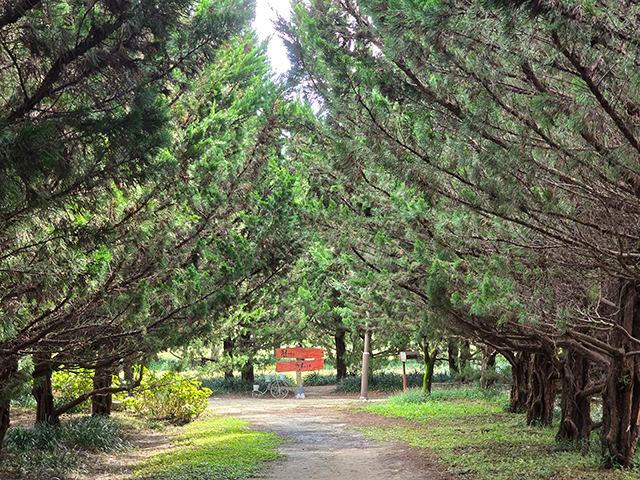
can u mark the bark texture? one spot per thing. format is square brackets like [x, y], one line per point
[42, 391]
[621, 393]
[430, 356]
[101, 403]
[488, 363]
[576, 423]
[543, 385]
[341, 351]
[8, 371]
[520, 379]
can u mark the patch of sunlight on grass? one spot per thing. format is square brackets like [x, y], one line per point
[217, 448]
[477, 436]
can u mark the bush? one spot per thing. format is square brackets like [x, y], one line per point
[169, 396]
[45, 450]
[69, 385]
[316, 379]
[381, 382]
[221, 385]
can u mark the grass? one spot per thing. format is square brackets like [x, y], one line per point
[472, 433]
[46, 451]
[220, 448]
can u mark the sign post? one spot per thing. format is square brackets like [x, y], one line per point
[306, 359]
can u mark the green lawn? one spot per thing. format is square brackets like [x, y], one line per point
[472, 433]
[219, 448]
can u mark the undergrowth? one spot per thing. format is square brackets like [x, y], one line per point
[387, 381]
[45, 450]
[471, 431]
[220, 448]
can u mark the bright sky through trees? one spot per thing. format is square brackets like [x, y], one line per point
[266, 13]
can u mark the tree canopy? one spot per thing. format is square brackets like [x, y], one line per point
[460, 169]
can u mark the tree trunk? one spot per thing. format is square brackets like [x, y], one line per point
[576, 423]
[42, 391]
[227, 353]
[520, 381]
[621, 393]
[429, 365]
[101, 404]
[247, 371]
[543, 390]
[465, 357]
[488, 363]
[8, 372]
[453, 352]
[341, 350]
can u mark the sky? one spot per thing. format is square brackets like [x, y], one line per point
[266, 11]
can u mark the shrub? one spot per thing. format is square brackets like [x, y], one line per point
[221, 385]
[69, 385]
[382, 382]
[169, 396]
[44, 450]
[316, 379]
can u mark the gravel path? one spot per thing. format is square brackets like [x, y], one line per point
[322, 445]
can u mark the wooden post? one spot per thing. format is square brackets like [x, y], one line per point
[299, 375]
[364, 385]
[403, 358]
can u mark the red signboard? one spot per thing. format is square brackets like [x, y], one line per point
[299, 352]
[300, 365]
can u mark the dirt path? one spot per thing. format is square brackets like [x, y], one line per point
[322, 443]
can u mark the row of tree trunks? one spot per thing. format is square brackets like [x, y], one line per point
[46, 411]
[621, 393]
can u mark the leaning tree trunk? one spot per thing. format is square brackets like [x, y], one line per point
[42, 391]
[621, 393]
[575, 402]
[8, 372]
[520, 381]
[101, 404]
[543, 390]
[341, 352]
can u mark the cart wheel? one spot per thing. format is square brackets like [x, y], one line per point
[279, 389]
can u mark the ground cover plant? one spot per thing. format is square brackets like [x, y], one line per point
[215, 447]
[44, 450]
[472, 433]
